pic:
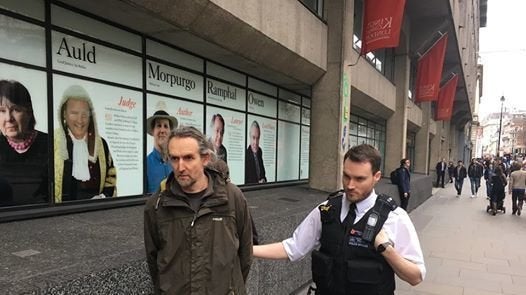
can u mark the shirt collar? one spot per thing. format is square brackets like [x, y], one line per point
[157, 155]
[364, 205]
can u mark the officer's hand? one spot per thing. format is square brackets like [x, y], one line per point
[381, 238]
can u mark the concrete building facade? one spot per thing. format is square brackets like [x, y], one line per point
[309, 50]
[302, 57]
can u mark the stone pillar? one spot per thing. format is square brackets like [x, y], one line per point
[447, 141]
[436, 148]
[422, 151]
[396, 129]
[453, 144]
[331, 101]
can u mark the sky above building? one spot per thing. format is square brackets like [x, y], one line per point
[503, 54]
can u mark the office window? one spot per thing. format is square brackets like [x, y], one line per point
[316, 6]
[363, 130]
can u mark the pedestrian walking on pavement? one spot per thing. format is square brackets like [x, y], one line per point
[498, 190]
[441, 168]
[488, 174]
[517, 187]
[475, 172]
[404, 183]
[450, 171]
[459, 173]
[380, 239]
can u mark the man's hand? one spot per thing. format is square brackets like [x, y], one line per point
[405, 269]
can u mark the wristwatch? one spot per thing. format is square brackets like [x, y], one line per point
[381, 248]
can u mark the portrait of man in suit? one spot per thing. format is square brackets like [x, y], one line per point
[254, 168]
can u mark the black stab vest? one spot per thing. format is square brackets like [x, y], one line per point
[346, 264]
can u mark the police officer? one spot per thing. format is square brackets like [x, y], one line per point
[364, 238]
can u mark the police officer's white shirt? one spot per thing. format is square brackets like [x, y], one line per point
[398, 227]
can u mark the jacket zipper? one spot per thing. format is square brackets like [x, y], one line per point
[193, 220]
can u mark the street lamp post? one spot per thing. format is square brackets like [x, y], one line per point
[500, 124]
[513, 142]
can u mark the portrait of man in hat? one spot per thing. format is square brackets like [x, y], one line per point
[159, 126]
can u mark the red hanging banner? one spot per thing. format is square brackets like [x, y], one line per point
[446, 99]
[429, 72]
[382, 20]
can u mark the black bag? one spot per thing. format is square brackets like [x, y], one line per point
[394, 176]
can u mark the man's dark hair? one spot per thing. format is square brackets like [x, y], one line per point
[364, 153]
[402, 162]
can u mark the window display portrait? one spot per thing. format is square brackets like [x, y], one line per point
[97, 141]
[217, 132]
[260, 153]
[163, 115]
[254, 167]
[226, 132]
[84, 167]
[159, 126]
[23, 149]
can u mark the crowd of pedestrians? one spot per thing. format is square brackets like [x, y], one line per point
[497, 173]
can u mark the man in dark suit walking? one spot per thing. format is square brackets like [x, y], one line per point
[441, 168]
[459, 174]
[404, 183]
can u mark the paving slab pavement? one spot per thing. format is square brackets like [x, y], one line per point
[467, 250]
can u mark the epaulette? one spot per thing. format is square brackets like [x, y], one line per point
[335, 194]
[387, 201]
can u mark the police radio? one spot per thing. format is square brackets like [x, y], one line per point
[368, 233]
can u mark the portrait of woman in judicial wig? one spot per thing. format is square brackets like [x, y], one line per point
[23, 149]
[84, 167]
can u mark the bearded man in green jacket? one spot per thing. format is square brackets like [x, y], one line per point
[197, 229]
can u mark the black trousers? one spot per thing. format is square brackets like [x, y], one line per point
[517, 197]
[440, 176]
[404, 201]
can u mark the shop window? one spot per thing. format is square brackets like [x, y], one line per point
[96, 73]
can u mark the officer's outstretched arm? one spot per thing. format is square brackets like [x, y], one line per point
[404, 269]
[270, 251]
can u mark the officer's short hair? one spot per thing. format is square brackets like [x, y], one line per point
[365, 153]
